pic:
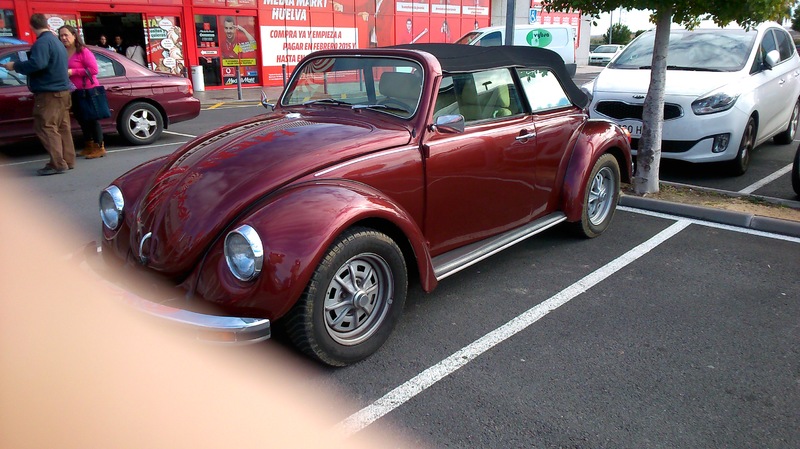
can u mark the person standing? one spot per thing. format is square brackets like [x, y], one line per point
[135, 53]
[46, 68]
[103, 43]
[83, 74]
[117, 46]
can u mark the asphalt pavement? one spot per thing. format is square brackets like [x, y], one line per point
[211, 99]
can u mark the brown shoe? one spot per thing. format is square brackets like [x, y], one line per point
[97, 151]
[87, 148]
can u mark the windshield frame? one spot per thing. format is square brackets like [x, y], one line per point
[355, 82]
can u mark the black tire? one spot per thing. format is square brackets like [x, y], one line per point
[601, 197]
[742, 161]
[786, 137]
[340, 322]
[140, 123]
[796, 172]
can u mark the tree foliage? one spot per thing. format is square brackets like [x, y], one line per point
[796, 19]
[620, 34]
[665, 12]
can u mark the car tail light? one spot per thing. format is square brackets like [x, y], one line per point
[627, 133]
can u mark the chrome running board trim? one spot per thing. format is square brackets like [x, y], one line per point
[458, 259]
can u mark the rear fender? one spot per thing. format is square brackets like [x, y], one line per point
[296, 226]
[598, 137]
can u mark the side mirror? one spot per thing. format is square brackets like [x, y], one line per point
[772, 59]
[264, 102]
[451, 124]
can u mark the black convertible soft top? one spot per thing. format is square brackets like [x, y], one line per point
[459, 58]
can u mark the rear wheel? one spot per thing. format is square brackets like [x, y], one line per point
[786, 137]
[742, 161]
[353, 301]
[140, 123]
[601, 197]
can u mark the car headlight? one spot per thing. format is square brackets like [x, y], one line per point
[111, 207]
[244, 253]
[716, 102]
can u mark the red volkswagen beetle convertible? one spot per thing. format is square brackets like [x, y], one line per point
[375, 164]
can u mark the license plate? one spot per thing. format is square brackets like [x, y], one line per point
[633, 126]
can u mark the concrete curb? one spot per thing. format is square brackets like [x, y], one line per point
[740, 219]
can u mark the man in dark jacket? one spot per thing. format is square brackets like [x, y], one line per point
[46, 68]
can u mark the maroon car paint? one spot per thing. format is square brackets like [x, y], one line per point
[302, 175]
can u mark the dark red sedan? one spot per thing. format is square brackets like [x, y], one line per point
[377, 167]
[143, 103]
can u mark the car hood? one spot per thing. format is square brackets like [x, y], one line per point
[202, 187]
[679, 82]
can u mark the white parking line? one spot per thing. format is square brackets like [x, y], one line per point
[430, 376]
[755, 186]
[178, 134]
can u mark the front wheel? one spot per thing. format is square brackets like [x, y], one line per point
[140, 123]
[601, 197]
[742, 161]
[353, 300]
[796, 172]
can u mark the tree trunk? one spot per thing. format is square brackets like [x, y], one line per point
[648, 154]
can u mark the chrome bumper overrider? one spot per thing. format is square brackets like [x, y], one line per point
[211, 328]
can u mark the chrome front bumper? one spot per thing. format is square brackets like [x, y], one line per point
[209, 328]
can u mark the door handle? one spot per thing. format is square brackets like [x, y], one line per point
[527, 136]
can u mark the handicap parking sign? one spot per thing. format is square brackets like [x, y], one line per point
[533, 16]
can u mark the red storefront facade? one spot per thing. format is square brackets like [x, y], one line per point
[259, 37]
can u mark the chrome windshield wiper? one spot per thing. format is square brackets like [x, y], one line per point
[380, 106]
[327, 100]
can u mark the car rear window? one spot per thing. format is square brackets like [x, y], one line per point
[716, 50]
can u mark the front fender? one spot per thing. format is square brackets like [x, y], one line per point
[296, 226]
[598, 137]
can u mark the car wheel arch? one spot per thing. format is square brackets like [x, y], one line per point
[589, 148]
[292, 273]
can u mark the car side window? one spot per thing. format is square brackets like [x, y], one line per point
[785, 44]
[10, 78]
[492, 39]
[543, 90]
[106, 67]
[484, 95]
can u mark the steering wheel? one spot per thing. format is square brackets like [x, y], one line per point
[395, 103]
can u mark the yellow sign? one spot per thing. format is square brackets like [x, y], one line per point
[239, 62]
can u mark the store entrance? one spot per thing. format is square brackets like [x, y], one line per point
[128, 26]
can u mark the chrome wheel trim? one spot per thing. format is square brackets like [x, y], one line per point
[358, 299]
[601, 194]
[142, 123]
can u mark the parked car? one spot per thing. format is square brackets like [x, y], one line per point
[603, 54]
[143, 103]
[10, 41]
[376, 166]
[727, 91]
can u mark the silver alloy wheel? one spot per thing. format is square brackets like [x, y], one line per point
[358, 299]
[142, 123]
[601, 194]
[794, 120]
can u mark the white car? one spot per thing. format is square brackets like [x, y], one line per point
[603, 54]
[727, 91]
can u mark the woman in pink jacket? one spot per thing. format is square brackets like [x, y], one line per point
[83, 74]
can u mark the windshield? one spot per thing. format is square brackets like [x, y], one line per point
[389, 85]
[716, 50]
[606, 49]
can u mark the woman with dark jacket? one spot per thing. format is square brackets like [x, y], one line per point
[83, 74]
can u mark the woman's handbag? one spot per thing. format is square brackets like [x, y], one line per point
[91, 104]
